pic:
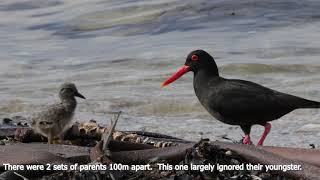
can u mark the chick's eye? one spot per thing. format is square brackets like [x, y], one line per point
[194, 58]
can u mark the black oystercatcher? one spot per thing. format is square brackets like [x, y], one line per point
[237, 102]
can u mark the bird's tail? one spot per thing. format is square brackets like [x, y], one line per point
[310, 104]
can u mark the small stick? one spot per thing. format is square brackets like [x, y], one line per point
[108, 135]
[17, 174]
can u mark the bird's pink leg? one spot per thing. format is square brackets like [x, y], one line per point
[247, 139]
[267, 128]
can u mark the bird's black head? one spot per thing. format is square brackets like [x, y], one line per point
[196, 61]
[200, 59]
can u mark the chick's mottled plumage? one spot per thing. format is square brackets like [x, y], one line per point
[55, 119]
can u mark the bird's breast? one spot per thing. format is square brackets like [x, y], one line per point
[206, 90]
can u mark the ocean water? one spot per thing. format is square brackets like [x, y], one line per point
[119, 52]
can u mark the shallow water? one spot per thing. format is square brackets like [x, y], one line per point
[119, 52]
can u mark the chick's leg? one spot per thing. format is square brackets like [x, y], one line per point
[50, 137]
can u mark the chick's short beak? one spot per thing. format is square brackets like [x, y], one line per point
[79, 95]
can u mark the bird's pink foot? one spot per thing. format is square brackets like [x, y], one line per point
[247, 140]
[267, 128]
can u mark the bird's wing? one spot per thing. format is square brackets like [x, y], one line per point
[53, 113]
[244, 100]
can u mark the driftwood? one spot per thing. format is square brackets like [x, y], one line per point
[24, 154]
[138, 147]
[83, 133]
[28, 153]
[108, 134]
[259, 155]
[152, 134]
[173, 154]
[311, 156]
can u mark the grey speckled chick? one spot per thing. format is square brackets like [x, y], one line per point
[54, 120]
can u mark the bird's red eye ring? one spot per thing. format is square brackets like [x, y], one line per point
[194, 57]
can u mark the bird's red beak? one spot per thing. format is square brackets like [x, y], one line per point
[184, 69]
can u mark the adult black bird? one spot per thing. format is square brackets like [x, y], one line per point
[237, 102]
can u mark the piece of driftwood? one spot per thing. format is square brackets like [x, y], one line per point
[107, 136]
[311, 156]
[28, 135]
[152, 134]
[138, 147]
[243, 153]
[105, 140]
[44, 153]
[156, 141]
[7, 132]
[83, 133]
[38, 153]
[116, 146]
[24, 153]
[17, 175]
[257, 155]
[172, 154]
[29, 157]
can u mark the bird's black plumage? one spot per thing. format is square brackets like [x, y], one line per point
[237, 102]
